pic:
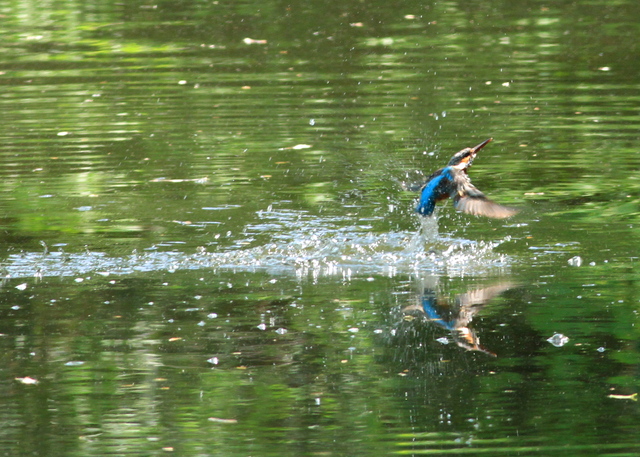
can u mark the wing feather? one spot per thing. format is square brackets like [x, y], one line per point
[482, 206]
[471, 200]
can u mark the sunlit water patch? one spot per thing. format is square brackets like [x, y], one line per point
[296, 243]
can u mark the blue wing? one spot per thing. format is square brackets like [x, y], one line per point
[432, 192]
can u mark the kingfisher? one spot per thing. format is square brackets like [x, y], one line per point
[456, 314]
[453, 181]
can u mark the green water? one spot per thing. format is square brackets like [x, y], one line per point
[207, 249]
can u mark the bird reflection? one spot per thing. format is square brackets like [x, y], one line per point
[455, 316]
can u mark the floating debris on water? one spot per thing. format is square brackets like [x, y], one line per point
[558, 340]
[632, 397]
[223, 421]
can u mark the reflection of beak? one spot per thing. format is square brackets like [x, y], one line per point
[481, 145]
[467, 339]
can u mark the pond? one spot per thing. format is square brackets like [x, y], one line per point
[209, 248]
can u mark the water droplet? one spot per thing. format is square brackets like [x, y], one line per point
[575, 261]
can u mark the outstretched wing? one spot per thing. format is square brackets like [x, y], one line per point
[472, 201]
[472, 301]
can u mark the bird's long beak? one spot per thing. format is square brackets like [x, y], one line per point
[481, 145]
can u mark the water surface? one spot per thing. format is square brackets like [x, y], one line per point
[207, 249]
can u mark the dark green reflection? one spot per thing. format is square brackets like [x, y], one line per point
[184, 181]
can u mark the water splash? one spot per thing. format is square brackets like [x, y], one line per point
[297, 243]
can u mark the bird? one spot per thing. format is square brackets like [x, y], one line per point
[456, 315]
[453, 182]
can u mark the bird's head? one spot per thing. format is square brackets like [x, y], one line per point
[463, 159]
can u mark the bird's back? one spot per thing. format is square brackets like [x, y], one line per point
[437, 187]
